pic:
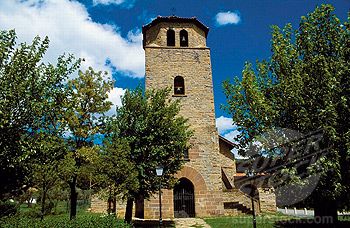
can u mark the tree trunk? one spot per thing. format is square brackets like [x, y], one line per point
[109, 210]
[43, 201]
[128, 211]
[114, 201]
[139, 210]
[114, 209]
[326, 213]
[73, 197]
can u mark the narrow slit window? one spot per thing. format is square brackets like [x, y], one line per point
[170, 37]
[179, 85]
[183, 38]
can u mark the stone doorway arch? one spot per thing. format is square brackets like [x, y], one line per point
[184, 202]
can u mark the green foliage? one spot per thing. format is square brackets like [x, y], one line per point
[49, 136]
[83, 220]
[112, 165]
[50, 150]
[156, 135]
[86, 104]
[30, 91]
[303, 87]
[7, 209]
[85, 107]
[47, 125]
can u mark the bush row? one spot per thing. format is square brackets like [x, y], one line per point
[62, 221]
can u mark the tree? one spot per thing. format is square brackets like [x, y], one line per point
[86, 104]
[303, 87]
[26, 86]
[156, 135]
[111, 168]
[45, 169]
[49, 132]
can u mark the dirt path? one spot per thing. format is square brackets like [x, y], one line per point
[190, 223]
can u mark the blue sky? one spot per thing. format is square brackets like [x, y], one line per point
[107, 33]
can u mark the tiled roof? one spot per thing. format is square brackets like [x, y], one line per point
[230, 144]
[193, 20]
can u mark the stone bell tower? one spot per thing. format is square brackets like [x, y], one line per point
[177, 57]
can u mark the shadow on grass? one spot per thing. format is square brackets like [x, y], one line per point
[152, 224]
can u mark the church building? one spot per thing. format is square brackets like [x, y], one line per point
[177, 56]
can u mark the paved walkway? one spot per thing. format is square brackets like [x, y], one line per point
[190, 223]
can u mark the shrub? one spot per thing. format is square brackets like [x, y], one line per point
[85, 220]
[7, 208]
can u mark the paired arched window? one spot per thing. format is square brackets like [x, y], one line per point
[179, 85]
[183, 38]
[170, 37]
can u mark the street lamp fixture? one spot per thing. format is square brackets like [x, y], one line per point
[159, 171]
[250, 174]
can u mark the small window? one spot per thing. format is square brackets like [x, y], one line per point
[170, 37]
[179, 85]
[183, 38]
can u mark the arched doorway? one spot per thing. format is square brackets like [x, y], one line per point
[184, 199]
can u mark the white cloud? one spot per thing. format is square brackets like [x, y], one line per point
[225, 18]
[237, 155]
[135, 36]
[127, 3]
[71, 30]
[231, 135]
[107, 2]
[224, 124]
[229, 131]
[115, 96]
[227, 128]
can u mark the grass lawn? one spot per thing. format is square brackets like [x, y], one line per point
[262, 221]
[266, 221]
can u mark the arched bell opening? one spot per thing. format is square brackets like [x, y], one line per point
[183, 38]
[170, 38]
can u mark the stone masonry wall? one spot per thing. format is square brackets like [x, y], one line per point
[228, 164]
[163, 64]
[267, 199]
[99, 205]
[156, 36]
[206, 164]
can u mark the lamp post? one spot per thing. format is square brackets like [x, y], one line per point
[250, 174]
[159, 171]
